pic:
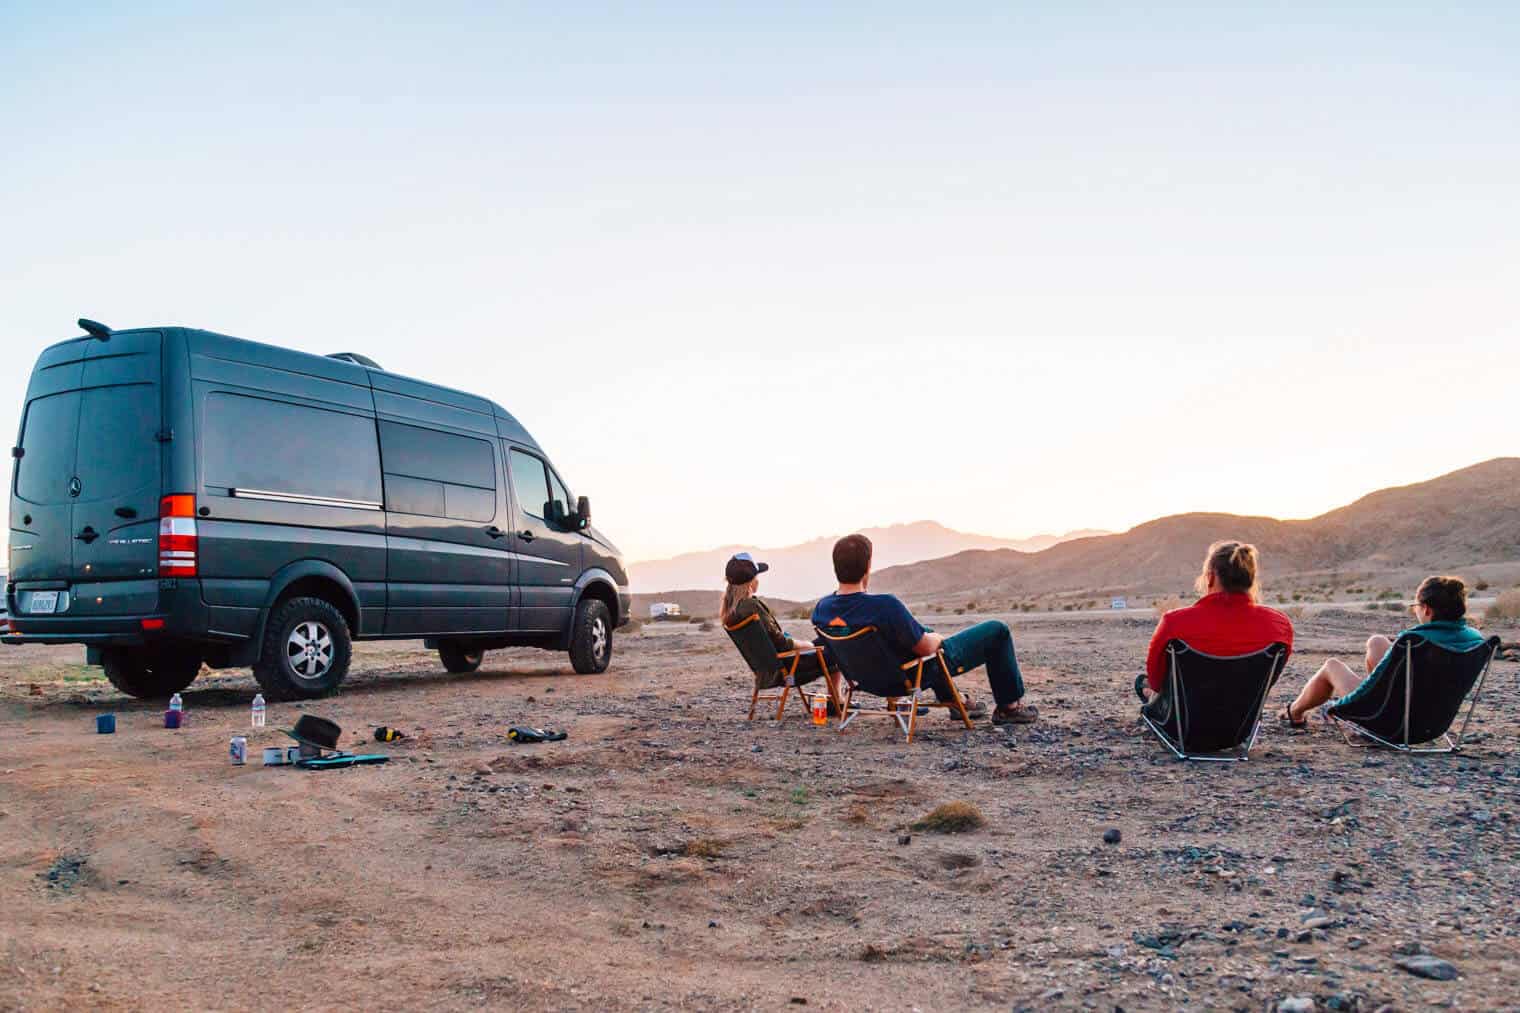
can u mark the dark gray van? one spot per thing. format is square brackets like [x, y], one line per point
[182, 497]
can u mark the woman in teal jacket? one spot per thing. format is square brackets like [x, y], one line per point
[1441, 608]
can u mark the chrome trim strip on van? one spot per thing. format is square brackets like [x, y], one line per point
[536, 559]
[287, 497]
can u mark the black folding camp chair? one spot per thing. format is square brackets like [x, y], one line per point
[1418, 695]
[773, 669]
[869, 665]
[1212, 705]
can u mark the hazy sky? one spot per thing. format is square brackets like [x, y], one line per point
[753, 276]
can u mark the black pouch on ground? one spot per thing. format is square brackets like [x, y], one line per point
[522, 733]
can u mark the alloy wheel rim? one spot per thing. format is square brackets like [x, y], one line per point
[309, 650]
[599, 639]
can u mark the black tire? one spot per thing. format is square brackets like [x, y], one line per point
[591, 637]
[460, 660]
[287, 669]
[151, 673]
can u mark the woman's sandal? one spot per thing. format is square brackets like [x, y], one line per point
[1286, 717]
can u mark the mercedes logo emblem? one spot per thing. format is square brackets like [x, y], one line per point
[75, 486]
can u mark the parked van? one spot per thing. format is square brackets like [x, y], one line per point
[182, 497]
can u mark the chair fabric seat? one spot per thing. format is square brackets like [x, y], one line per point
[1419, 693]
[1211, 704]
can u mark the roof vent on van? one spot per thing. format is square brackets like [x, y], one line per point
[95, 329]
[356, 359]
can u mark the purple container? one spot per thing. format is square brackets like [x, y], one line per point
[174, 718]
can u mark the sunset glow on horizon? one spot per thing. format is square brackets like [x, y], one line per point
[759, 277]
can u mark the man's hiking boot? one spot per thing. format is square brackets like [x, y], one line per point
[1018, 714]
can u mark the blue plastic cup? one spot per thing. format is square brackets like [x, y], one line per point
[105, 724]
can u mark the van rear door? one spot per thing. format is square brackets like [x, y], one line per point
[85, 498]
[42, 511]
[116, 466]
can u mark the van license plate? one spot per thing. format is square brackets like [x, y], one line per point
[43, 602]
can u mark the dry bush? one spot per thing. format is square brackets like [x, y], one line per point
[1170, 602]
[1295, 612]
[951, 818]
[1506, 606]
[705, 847]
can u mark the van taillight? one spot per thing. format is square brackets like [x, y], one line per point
[176, 536]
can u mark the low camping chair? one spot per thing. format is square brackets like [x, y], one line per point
[773, 669]
[869, 665]
[1212, 705]
[1417, 696]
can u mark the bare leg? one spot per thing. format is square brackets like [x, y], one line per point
[1334, 678]
[1378, 646]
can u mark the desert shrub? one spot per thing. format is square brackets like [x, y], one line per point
[705, 625]
[705, 847]
[950, 818]
[1295, 612]
[1481, 585]
[1371, 606]
[960, 612]
[971, 606]
[1393, 606]
[1506, 606]
[1170, 602]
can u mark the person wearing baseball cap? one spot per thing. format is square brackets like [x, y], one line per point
[740, 602]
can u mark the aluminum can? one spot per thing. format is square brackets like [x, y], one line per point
[238, 750]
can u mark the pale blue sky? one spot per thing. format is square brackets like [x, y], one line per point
[1016, 269]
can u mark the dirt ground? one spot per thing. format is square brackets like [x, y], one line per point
[671, 855]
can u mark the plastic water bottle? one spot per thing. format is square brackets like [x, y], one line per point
[176, 703]
[258, 710]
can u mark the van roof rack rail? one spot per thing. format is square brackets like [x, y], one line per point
[356, 359]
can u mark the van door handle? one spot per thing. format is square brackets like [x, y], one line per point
[525, 535]
[126, 513]
[494, 531]
[88, 535]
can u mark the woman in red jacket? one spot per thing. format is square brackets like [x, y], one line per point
[1226, 621]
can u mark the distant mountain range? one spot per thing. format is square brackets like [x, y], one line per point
[1471, 516]
[804, 572]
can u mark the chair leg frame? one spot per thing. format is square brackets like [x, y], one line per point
[898, 709]
[789, 685]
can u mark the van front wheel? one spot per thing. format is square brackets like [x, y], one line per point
[306, 650]
[458, 660]
[151, 673]
[591, 637]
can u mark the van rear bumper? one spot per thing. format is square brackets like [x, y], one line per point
[181, 616]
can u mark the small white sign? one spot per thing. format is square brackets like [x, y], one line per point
[1118, 603]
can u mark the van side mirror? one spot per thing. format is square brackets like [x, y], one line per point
[583, 512]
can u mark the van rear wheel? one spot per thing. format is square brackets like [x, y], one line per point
[151, 673]
[459, 660]
[591, 637]
[306, 650]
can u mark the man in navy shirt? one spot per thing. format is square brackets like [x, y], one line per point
[987, 643]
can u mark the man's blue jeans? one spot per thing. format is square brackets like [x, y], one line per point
[987, 643]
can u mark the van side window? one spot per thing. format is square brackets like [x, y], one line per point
[437, 474]
[530, 485]
[259, 445]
